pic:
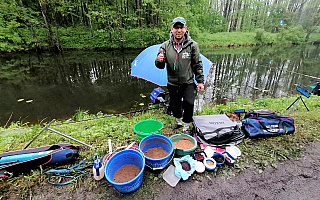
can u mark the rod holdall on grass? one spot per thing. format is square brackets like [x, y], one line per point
[14, 163]
[265, 122]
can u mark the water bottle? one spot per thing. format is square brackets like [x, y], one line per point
[98, 168]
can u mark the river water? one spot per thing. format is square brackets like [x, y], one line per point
[37, 88]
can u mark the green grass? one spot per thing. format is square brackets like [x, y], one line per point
[257, 154]
[289, 35]
[226, 39]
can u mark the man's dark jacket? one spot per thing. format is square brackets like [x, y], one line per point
[182, 62]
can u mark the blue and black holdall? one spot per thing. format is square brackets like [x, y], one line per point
[265, 122]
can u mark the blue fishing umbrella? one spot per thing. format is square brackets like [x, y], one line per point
[143, 66]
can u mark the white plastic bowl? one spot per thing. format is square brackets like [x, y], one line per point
[200, 168]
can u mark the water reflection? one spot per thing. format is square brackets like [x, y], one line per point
[60, 84]
[261, 72]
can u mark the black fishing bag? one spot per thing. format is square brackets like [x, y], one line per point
[316, 90]
[216, 130]
[14, 163]
[265, 122]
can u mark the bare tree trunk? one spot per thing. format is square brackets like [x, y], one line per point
[139, 8]
[48, 26]
[120, 25]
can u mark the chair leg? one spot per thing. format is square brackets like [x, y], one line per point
[299, 98]
[304, 104]
[294, 102]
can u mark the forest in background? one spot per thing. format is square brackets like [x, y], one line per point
[60, 24]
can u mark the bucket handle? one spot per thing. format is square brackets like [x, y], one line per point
[153, 133]
[158, 168]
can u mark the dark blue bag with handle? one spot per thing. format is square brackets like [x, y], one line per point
[265, 122]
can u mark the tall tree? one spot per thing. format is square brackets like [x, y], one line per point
[310, 17]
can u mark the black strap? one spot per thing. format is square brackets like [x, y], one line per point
[217, 131]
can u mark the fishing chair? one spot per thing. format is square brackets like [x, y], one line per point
[302, 89]
[158, 96]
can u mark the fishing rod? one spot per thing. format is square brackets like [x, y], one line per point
[306, 75]
[105, 116]
[253, 87]
[268, 66]
[314, 77]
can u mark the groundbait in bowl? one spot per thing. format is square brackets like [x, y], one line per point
[229, 160]
[199, 155]
[210, 164]
[219, 158]
[178, 137]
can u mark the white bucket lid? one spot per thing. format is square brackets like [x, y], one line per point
[233, 151]
[209, 151]
[200, 167]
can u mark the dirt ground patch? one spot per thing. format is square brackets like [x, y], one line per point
[291, 179]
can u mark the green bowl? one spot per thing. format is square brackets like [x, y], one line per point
[182, 136]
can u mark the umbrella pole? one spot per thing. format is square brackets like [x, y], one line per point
[45, 128]
[71, 138]
[50, 129]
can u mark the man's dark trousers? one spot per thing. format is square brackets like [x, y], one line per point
[186, 91]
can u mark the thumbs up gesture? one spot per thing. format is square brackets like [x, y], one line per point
[161, 56]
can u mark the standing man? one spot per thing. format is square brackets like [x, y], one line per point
[181, 54]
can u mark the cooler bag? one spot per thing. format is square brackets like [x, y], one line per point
[216, 130]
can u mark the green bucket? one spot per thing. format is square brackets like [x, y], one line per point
[147, 127]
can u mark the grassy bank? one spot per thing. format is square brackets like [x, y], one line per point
[136, 38]
[256, 153]
[85, 38]
[259, 37]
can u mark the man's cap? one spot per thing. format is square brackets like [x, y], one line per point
[179, 20]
